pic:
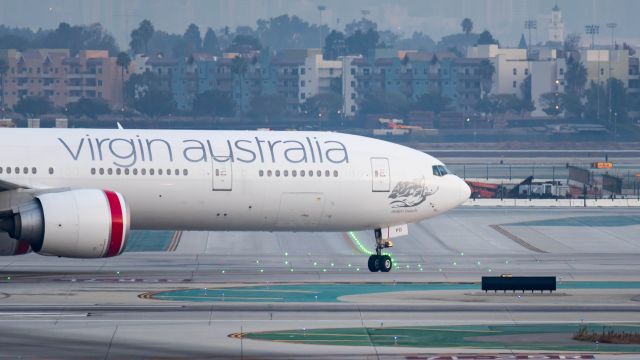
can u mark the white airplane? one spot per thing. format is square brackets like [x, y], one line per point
[78, 192]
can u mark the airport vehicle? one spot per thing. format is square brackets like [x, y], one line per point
[78, 192]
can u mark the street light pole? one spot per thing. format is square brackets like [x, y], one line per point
[611, 26]
[529, 25]
[592, 30]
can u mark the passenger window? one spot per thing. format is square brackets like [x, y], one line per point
[50, 171]
[8, 170]
[269, 173]
[135, 171]
[319, 173]
[310, 172]
[17, 170]
[126, 171]
[143, 172]
[159, 171]
[151, 171]
[294, 173]
[301, 173]
[278, 173]
[168, 171]
[327, 173]
[286, 173]
[101, 171]
[110, 171]
[261, 173]
[93, 171]
[335, 173]
[25, 170]
[185, 172]
[1, 169]
[177, 172]
[118, 171]
[34, 170]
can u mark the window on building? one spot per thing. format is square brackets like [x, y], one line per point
[302, 96]
[302, 71]
[515, 84]
[353, 84]
[353, 71]
[515, 71]
[526, 72]
[302, 83]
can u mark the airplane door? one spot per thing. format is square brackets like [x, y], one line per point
[380, 175]
[222, 175]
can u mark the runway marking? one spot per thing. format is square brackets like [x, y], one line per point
[175, 241]
[28, 314]
[518, 240]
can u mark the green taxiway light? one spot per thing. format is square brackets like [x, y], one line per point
[363, 249]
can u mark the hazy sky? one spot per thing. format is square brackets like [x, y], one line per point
[505, 18]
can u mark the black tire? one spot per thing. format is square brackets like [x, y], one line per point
[385, 264]
[372, 263]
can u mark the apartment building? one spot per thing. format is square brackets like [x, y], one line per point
[60, 77]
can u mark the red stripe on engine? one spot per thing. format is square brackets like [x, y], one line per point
[117, 224]
[22, 248]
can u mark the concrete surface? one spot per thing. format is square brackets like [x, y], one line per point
[66, 308]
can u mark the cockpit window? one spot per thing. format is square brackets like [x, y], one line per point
[440, 170]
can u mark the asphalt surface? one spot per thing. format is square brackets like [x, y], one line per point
[66, 308]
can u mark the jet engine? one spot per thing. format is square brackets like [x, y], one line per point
[10, 247]
[84, 223]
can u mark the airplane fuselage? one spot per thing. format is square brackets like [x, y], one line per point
[235, 180]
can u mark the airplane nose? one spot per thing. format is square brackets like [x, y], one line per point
[465, 191]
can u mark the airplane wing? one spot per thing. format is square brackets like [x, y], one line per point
[6, 186]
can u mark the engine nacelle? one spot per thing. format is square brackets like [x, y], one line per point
[77, 223]
[10, 247]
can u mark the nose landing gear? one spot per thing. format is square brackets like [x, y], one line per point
[379, 262]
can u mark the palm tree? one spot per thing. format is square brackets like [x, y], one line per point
[4, 68]
[467, 26]
[486, 71]
[123, 61]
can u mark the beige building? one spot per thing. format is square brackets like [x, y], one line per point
[602, 64]
[61, 78]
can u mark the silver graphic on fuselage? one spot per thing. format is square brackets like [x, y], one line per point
[410, 193]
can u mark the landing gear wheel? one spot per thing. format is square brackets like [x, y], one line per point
[373, 263]
[385, 263]
[379, 262]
